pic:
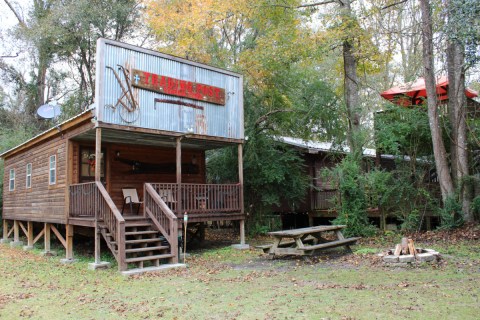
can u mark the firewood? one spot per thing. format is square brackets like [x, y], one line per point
[404, 245]
[398, 250]
[411, 247]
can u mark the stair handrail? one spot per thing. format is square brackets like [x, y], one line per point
[162, 217]
[113, 221]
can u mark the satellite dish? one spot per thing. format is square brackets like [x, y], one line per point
[49, 111]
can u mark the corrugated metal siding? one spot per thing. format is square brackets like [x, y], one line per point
[214, 120]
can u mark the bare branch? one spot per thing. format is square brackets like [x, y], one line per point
[306, 5]
[20, 20]
[270, 113]
[15, 56]
[394, 4]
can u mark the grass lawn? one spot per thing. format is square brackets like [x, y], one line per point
[222, 283]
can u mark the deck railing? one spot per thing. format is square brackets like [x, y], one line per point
[162, 217]
[83, 200]
[200, 198]
[92, 200]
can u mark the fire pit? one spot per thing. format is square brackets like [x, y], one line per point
[406, 252]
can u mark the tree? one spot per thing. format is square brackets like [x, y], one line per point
[62, 38]
[459, 15]
[439, 152]
[284, 93]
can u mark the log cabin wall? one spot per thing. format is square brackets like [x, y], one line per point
[155, 164]
[42, 202]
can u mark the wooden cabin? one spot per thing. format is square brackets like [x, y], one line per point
[317, 206]
[146, 135]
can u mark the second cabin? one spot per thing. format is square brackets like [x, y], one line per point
[133, 164]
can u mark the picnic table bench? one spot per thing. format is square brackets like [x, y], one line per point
[305, 241]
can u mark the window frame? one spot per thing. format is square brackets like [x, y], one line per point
[28, 176]
[11, 180]
[52, 172]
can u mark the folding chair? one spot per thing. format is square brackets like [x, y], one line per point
[130, 197]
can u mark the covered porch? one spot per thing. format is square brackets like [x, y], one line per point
[168, 173]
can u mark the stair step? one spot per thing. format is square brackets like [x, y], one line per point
[147, 258]
[133, 217]
[146, 249]
[142, 240]
[137, 224]
[153, 269]
[136, 233]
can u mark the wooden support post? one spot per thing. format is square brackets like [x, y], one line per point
[122, 264]
[98, 161]
[69, 242]
[29, 245]
[5, 232]
[47, 237]
[242, 244]
[16, 231]
[97, 243]
[242, 232]
[98, 154]
[240, 180]
[16, 235]
[240, 176]
[178, 161]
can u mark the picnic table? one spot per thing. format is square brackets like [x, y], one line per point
[305, 241]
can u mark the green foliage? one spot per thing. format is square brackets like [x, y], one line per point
[476, 207]
[411, 221]
[261, 224]
[403, 131]
[351, 203]
[273, 173]
[451, 214]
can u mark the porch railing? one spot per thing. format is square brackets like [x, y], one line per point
[83, 200]
[92, 200]
[162, 217]
[200, 198]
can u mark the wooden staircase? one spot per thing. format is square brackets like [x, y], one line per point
[147, 242]
[144, 246]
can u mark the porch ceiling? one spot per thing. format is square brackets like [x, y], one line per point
[152, 139]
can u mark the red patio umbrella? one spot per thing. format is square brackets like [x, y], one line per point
[414, 93]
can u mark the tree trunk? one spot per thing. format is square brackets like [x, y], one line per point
[456, 110]
[441, 163]
[352, 99]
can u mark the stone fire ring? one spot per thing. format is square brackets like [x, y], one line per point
[424, 255]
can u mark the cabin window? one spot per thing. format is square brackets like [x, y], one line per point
[52, 176]
[88, 164]
[28, 183]
[11, 185]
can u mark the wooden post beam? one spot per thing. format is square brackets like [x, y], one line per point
[47, 237]
[6, 232]
[16, 235]
[98, 154]
[242, 244]
[97, 243]
[30, 239]
[240, 180]
[16, 231]
[69, 242]
[178, 161]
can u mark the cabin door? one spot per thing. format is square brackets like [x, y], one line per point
[88, 164]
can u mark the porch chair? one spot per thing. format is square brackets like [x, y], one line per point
[130, 197]
[167, 196]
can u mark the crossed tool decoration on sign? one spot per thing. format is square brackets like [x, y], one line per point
[129, 109]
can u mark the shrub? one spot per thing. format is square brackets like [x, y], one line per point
[451, 214]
